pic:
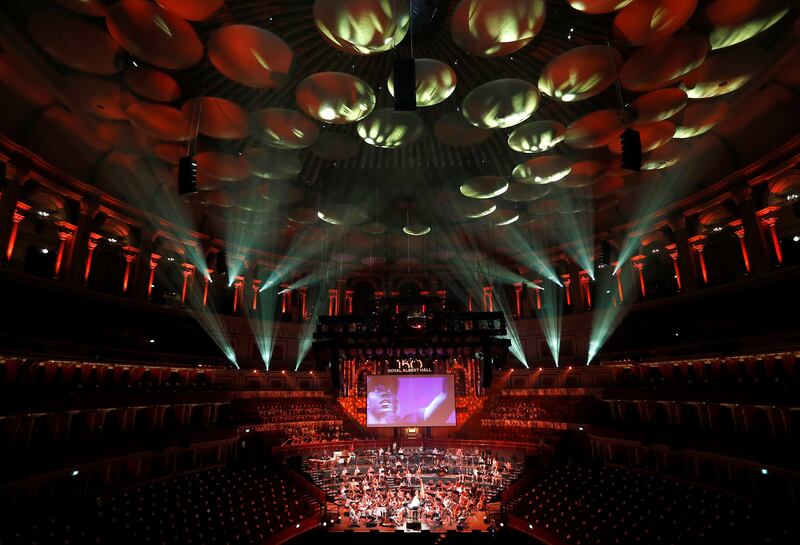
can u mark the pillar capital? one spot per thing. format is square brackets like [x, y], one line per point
[673, 251]
[737, 227]
[638, 261]
[94, 239]
[154, 259]
[65, 231]
[697, 243]
[129, 253]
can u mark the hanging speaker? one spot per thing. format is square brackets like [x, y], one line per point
[187, 175]
[631, 142]
[222, 263]
[405, 85]
[605, 253]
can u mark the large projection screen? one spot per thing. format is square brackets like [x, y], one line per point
[398, 400]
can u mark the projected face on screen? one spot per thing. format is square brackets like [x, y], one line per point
[410, 401]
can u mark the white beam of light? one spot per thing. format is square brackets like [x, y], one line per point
[307, 332]
[550, 316]
[262, 323]
[609, 310]
[527, 252]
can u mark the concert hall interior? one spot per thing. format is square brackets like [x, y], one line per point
[424, 271]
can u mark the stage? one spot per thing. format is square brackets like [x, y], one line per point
[474, 523]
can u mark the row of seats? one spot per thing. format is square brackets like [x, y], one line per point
[19, 379]
[612, 505]
[222, 506]
[765, 370]
[543, 408]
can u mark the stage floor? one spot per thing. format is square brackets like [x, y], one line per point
[474, 522]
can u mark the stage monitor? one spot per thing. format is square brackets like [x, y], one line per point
[400, 401]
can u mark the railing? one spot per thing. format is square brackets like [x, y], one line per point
[283, 452]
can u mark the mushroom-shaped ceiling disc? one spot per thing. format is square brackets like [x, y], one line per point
[250, 55]
[283, 129]
[362, 27]
[663, 62]
[484, 187]
[435, 82]
[542, 170]
[75, 42]
[154, 35]
[497, 27]
[386, 128]
[580, 73]
[501, 103]
[335, 97]
[537, 136]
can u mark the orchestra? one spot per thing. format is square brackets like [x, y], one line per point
[438, 487]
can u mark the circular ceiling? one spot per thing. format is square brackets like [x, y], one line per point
[278, 97]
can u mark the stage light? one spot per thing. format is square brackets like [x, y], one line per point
[247, 430]
[152, 340]
[45, 251]
[796, 238]
[75, 472]
[764, 471]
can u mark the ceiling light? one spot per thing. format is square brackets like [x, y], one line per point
[45, 251]
[796, 238]
[112, 240]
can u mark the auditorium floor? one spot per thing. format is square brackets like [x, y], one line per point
[474, 523]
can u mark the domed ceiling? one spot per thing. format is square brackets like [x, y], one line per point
[287, 105]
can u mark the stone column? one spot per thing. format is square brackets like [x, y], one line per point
[673, 254]
[76, 260]
[753, 235]
[16, 176]
[20, 212]
[586, 293]
[688, 270]
[768, 222]
[187, 271]
[129, 253]
[638, 265]
[66, 236]
[740, 234]
[697, 248]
